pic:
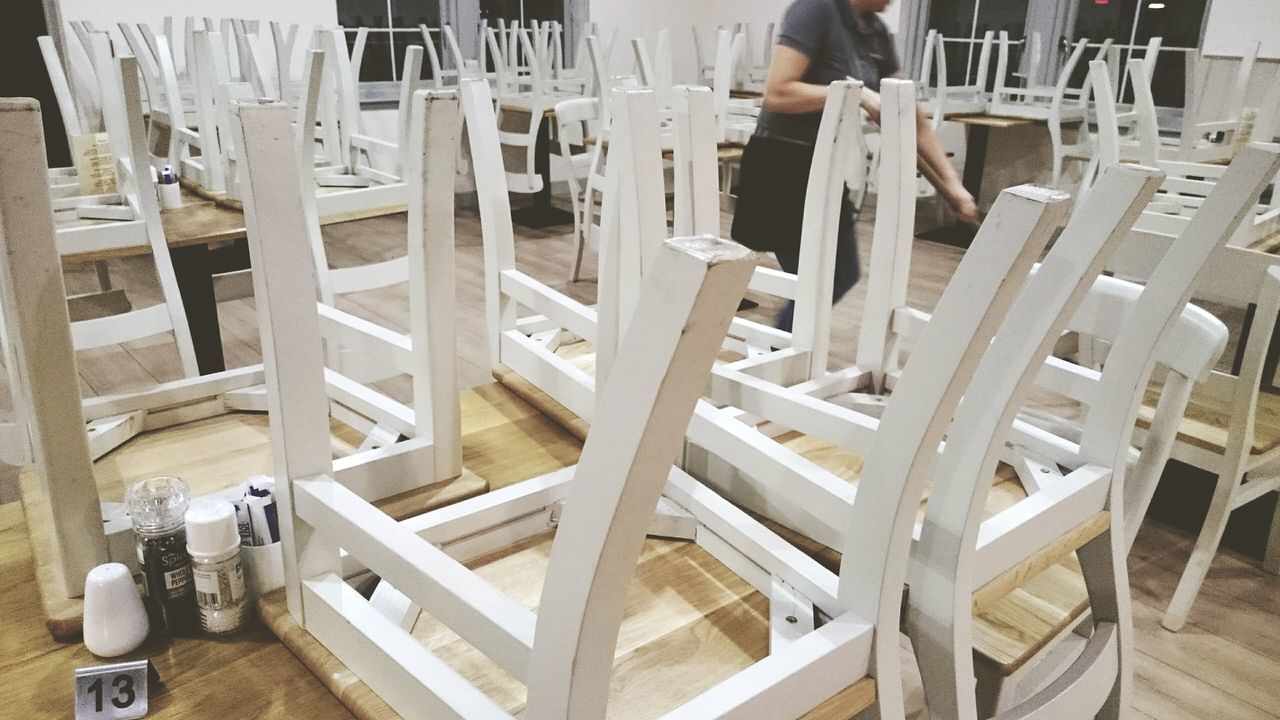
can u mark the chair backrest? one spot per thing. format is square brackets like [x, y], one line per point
[147, 63]
[433, 57]
[68, 109]
[340, 72]
[249, 60]
[283, 42]
[878, 537]
[136, 182]
[889, 268]
[575, 119]
[939, 606]
[633, 221]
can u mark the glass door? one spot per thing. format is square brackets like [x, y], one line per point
[1132, 24]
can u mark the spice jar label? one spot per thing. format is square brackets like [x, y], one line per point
[220, 587]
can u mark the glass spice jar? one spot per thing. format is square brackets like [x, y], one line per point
[157, 507]
[213, 542]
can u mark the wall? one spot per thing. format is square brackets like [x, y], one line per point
[1233, 25]
[645, 18]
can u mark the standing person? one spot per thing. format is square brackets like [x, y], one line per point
[822, 41]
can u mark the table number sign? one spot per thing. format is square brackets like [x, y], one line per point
[112, 692]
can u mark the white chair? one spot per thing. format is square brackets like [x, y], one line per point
[1226, 432]
[737, 118]
[1187, 184]
[940, 98]
[704, 56]
[415, 435]
[75, 109]
[575, 121]
[877, 592]
[654, 69]
[365, 174]
[1060, 106]
[1208, 133]
[1144, 328]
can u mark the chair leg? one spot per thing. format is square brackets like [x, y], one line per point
[994, 691]
[104, 275]
[1215, 523]
[578, 244]
[1271, 558]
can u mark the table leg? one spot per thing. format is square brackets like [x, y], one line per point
[541, 213]
[975, 159]
[193, 267]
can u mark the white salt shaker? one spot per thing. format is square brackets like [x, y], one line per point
[213, 542]
[115, 621]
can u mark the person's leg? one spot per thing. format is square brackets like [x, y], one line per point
[848, 268]
[789, 261]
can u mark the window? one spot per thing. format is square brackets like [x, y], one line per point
[393, 27]
[1132, 24]
[963, 23]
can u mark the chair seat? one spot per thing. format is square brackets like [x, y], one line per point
[1009, 630]
[687, 618]
[1207, 418]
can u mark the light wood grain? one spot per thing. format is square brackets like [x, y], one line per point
[1207, 419]
[210, 455]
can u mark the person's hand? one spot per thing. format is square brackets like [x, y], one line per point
[964, 207]
[871, 103]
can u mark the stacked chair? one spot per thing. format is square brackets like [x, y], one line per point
[82, 523]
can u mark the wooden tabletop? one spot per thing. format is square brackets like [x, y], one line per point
[746, 94]
[205, 221]
[993, 121]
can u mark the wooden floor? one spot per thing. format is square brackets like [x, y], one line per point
[1224, 664]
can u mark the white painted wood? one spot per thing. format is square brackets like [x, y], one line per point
[647, 408]
[492, 622]
[283, 278]
[61, 88]
[939, 612]
[838, 135]
[790, 615]
[39, 355]
[432, 139]
[396, 666]
[495, 210]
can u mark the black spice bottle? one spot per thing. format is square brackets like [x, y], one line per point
[156, 507]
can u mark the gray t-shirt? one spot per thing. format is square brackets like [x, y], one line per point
[839, 45]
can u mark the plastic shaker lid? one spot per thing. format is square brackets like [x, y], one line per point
[157, 504]
[211, 528]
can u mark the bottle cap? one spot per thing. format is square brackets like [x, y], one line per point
[211, 528]
[157, 504]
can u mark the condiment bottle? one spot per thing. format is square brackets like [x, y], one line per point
[213, 541]
[157, 506]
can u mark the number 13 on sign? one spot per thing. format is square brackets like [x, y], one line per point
[112, 692]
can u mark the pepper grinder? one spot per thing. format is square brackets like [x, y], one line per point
[157, 507]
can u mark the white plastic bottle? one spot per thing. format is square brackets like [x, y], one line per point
[213, 541]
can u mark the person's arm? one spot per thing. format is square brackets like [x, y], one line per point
[938, 170]
[785, 90]
[932, 162]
